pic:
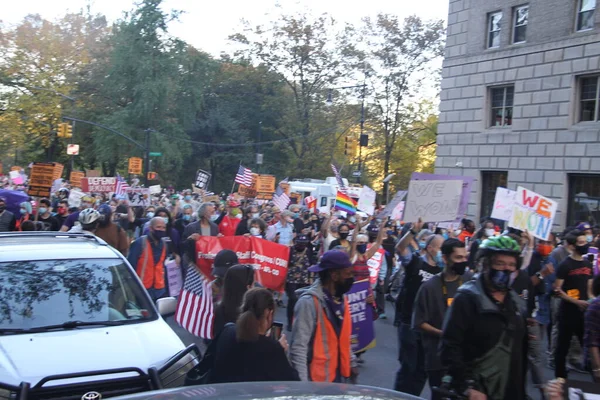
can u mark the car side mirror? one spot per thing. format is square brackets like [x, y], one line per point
[166, 306]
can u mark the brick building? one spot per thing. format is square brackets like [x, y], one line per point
[520, 102]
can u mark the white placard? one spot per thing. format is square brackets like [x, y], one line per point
[366, 200]
[503, 204]
[433, 201]
[138, 197]
[389, 208]
[155, 189]
[75, 198]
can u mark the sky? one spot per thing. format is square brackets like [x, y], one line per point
[207, 24]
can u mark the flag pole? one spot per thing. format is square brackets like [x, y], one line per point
[233, 186]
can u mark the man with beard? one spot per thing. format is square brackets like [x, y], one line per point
[320, 343]
[484, 336]
[110, 232]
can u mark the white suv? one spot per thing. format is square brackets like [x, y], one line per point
[76, 322]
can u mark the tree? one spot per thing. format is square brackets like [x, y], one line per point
[397, 59]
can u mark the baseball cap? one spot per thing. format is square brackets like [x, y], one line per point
[373, 230]
[302, 239]
[223, 260]
[332, 259]
[584, 226]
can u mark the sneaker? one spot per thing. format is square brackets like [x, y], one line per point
[382, 315]
[576, 367]
[360, 360]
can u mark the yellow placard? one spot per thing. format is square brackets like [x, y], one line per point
[75, 178]
[135, 165]
[41, 179]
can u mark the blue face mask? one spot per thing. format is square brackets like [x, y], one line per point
[589, 238]
[23, 211]
[422, 245]
[166, 220]
[150, 214]
[445, 236]
[187, 217]
[188, 197]
[43, 210]
[439, 260]
[296, 215]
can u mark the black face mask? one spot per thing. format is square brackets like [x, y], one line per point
[2, 208]
[344, 235]
[459, 268]
[582, 250]
[500, 280]
[300, 246]
[341, 288]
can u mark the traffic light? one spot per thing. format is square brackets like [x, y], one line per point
[152, 176]
[68, 130]
[62, 130]
[353, 147]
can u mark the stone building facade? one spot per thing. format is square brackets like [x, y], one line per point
[520, 102]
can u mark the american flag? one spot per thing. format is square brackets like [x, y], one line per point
[281, 199]
[244, 176]
[338, 177]
[122, 186]
[195, 311]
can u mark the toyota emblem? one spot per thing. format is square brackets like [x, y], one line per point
[91, 396]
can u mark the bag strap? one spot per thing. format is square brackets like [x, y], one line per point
[145, 255]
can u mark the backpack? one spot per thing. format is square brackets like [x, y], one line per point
[201, 373]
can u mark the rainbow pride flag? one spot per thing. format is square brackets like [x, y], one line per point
[343, 202]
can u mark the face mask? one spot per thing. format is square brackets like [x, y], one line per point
[235, 212]
[499, 279]
[344, 235]
[589, 238]
[42, 210]
[239, 216]
[296, 215]
[150, 214]
[158, 234]
[62, 211]
[306, 216]
[544, 249]
[255, 215]
[390, 233]
[300, 246]
[187, 217]
[188, 197]
[361, 248]
[422, 245]
[23, 211]
[255, 231]
[343, 287]
[459, 268]
[2, 208]
[166, 219]
[457, 232]
[490, 232]
[439, 260]
[582, 250]
[97, 202]
[445, 236]
[214, 217]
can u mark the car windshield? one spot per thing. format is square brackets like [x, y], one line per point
[35, 294]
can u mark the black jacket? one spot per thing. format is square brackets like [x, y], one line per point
[263, 360]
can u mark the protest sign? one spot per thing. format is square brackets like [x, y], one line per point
[155, 189]
[269, 259]
[503, 204]
[75, 197]
[248, 191]
[42, 177]
[398, 211]
[466, 188]
[135, 165]
[265, 183]
[16, 177]
[174, 277]
[210, 199]
[363, 330]
[432, 201]
[56, 185]
[138, 197]
[374, 264]
[366, 200]
[389, 208]
[98, 185]
[533, 212]
[75, 178]
[93, 173]
[58, 170]
[202, 179]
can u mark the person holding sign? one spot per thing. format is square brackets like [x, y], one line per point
[574, 286]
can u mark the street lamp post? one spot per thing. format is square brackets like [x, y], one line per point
[386, 183]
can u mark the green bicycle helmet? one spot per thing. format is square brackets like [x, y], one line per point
[500, 245]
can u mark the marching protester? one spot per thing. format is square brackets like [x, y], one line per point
[230, 221]
[26, 214]
[484, 335]
[243, 227]
[258, 228]
[343, 231]
[45, 219]
[62, 212]
[283, 231]
[88, 221]
[433, 299]
[147, 255]
[298, 275]
[204, 226]
[320, 348]
[244, 352]
[238, 279]
[110, 232]
[185, 219]
[8, 222]
[224, 260]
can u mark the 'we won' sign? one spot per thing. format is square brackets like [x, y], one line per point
[533, 212]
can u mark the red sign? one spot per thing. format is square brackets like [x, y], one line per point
[270, 260]
[98, 185]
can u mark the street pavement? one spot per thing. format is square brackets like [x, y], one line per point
[381, 362]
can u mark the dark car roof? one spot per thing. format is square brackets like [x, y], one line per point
[273, 390]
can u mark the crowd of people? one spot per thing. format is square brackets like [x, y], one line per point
[474, 307]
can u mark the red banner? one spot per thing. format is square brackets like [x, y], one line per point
[270, 260]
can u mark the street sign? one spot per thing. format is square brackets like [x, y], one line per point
[356, 174]
[155, 154]
[135, 165]
[259, 158]
[73, 149]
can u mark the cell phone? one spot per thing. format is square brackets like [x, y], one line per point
[276, 330]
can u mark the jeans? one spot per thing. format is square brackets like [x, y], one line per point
[411, 376]
[570, 323]
[534, 354]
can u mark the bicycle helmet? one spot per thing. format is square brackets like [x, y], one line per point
[500, 245]
[89, 216]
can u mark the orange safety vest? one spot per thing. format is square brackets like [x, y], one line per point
[155, 278]
[329, 350]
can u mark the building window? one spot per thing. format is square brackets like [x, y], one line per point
[585, 14]
[584, 199]
[502, 105]
[521, 16]
[490, 181]
[494, 30]
[589, 96]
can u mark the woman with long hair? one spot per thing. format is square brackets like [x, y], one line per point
[245, 352]
[238, 279]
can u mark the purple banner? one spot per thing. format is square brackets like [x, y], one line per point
[363, 329]
[466, 189]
